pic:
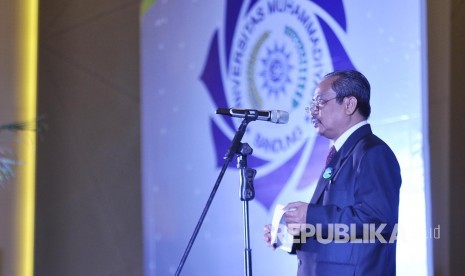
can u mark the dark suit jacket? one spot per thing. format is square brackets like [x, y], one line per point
[362, 189]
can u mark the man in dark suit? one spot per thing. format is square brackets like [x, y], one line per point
[350, 225]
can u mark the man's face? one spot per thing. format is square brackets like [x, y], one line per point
[329, 117]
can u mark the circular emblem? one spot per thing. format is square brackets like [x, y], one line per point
[278, 55]
[270, 55]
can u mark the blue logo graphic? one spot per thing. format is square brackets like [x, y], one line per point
[276, 68]
[271, 54]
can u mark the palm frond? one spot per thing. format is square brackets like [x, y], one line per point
[6, 169]
[7, 161]
[36, 125]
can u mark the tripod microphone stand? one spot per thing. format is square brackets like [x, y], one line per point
[247, 192]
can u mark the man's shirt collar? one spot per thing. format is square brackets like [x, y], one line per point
[343, 138]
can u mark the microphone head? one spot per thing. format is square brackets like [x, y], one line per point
[279, 117]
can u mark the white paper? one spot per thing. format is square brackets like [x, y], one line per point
[280, 238]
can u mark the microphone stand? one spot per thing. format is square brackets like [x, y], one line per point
[247, 192]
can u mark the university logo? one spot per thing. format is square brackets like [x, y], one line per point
[271, 54]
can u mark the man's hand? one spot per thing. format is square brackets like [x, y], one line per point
[296, 217]
[267, 236]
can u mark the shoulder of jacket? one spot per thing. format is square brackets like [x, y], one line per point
[368, 143]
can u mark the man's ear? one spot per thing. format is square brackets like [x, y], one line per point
[350, 104]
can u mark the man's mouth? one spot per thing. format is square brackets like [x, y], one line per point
[315, 122]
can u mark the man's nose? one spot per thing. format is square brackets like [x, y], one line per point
[314, 110]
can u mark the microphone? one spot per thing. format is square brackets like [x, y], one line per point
[274, 116]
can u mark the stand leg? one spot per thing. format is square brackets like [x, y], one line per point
[247, 193]
[202, 217]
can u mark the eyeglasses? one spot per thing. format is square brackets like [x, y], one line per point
[317, 103]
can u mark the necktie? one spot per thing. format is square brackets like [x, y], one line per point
[330, 156]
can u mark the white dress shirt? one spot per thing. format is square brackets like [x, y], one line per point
[343, 138]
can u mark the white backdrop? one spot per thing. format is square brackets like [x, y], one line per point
[200, 55]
